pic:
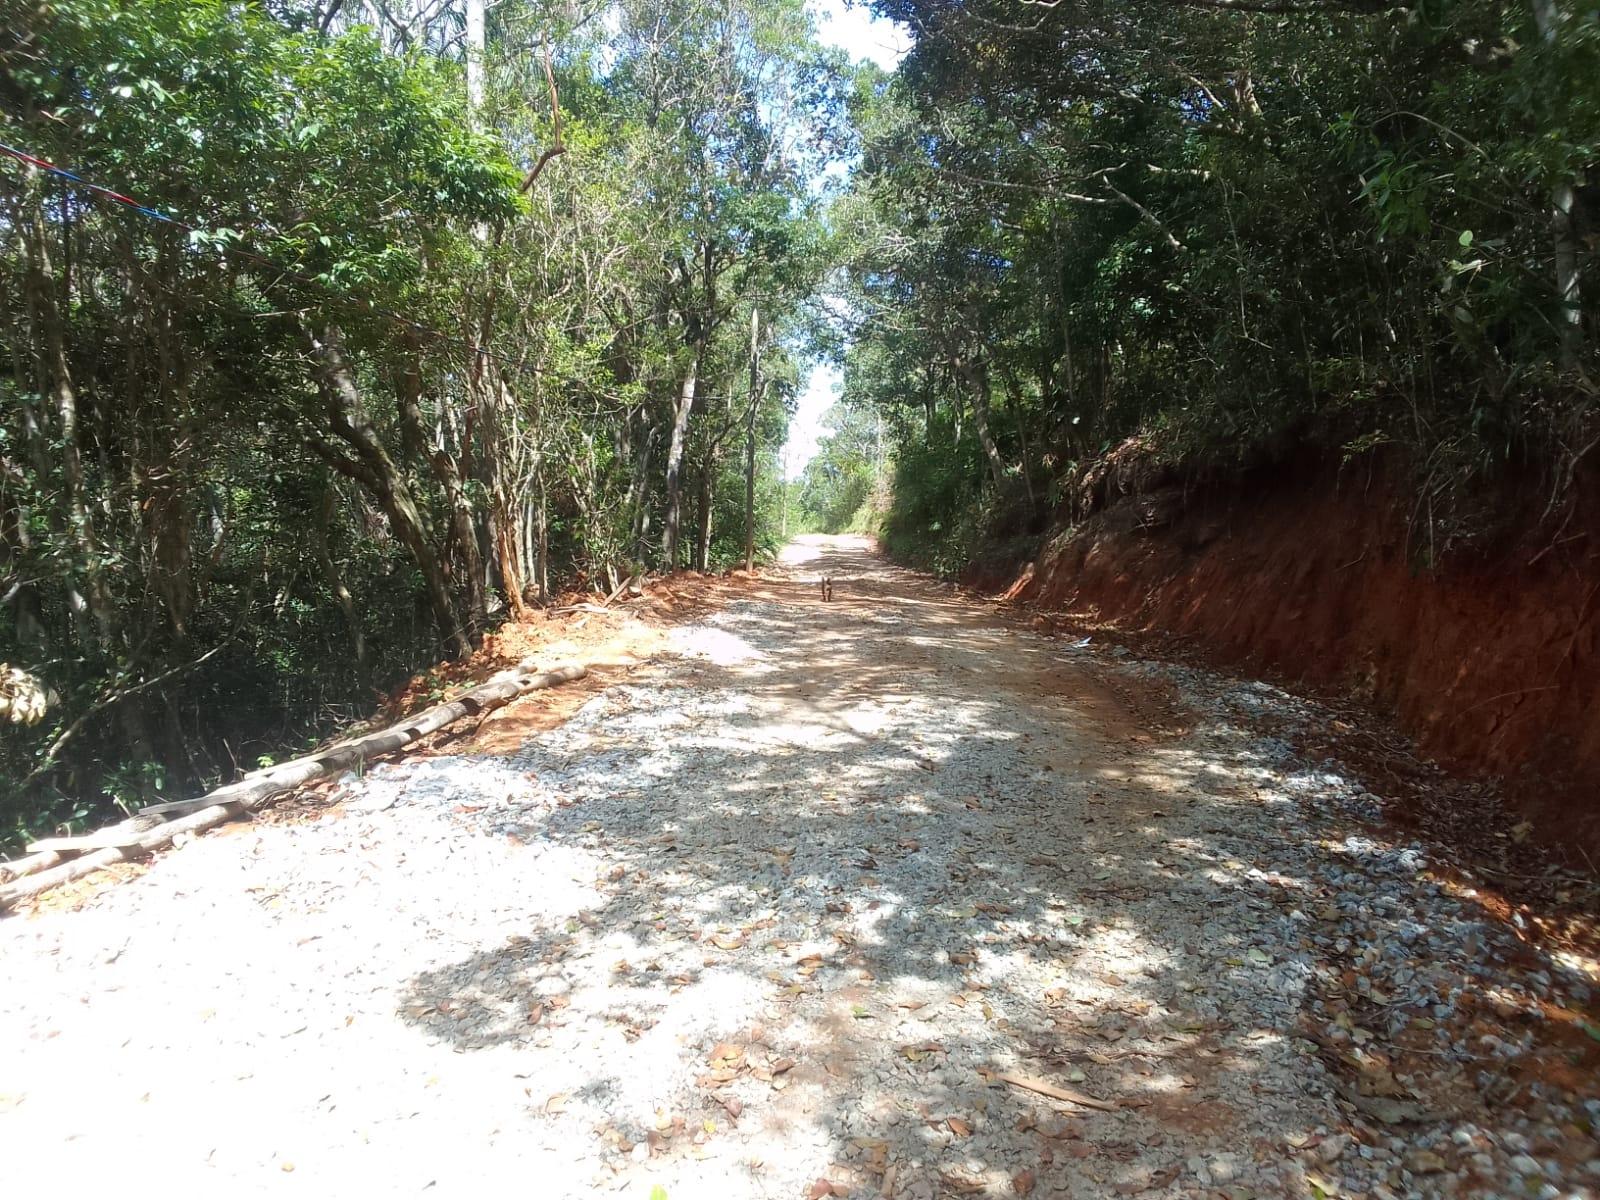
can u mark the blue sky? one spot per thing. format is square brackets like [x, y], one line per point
[853, 29]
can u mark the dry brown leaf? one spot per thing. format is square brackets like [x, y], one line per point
[1022, 1182]
[958, 1182]
[959, 1127]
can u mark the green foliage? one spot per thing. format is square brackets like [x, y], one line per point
[253, 474]
[1226, 233]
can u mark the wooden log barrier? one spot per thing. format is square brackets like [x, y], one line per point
[58, 860]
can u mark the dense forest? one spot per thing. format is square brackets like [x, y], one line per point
[358, 327]
[1218, 228]
[339, 331]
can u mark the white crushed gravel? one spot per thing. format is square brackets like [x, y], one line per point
[762, 916]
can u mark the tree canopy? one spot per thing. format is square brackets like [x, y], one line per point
[1223, 227]
[419, 314]
[339, 331]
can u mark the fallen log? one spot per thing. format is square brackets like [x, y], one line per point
[18, 867]
[137, 836]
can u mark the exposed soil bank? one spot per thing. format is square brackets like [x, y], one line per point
[1319, 577]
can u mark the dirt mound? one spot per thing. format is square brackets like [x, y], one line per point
[1330, 579]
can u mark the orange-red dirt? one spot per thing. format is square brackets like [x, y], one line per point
[1315, 576]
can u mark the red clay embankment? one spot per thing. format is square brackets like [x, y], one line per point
[1489, 657]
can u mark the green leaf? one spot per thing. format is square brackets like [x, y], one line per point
[1465, 239]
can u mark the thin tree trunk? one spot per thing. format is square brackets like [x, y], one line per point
[1569, 295]
[58, 375]
[463, 531]
[496, 410]
[375, 469]
[708, 475]
[977, 377]
[750, 443]
[541, 519]
[1014, 391]
[475, 53]
[322, 544]
[680, 429]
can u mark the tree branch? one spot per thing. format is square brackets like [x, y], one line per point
[560, 146]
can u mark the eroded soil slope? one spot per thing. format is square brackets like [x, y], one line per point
[1488, 653]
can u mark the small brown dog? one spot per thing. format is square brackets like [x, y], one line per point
[827, 587]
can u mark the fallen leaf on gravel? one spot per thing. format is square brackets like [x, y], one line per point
[1044, 1088]
[556, 1103]
[1382, 1108]
[822, 1187]
[535, 1015]
[1022, 1182]
[781, 1065]
[959, 1127]
[725, 941]
[958, 1182]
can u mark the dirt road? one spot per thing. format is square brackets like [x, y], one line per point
[777, 916]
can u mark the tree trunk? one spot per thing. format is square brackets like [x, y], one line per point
[680, 429]
[475, 51]
[322, 544]
[58, 378]
[750, 443]
[496, 414]
[1014, 391]
[463, 539]
[708, 477]
[541, 546]
[1563, 225]
[977, 377]
[375, 469]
